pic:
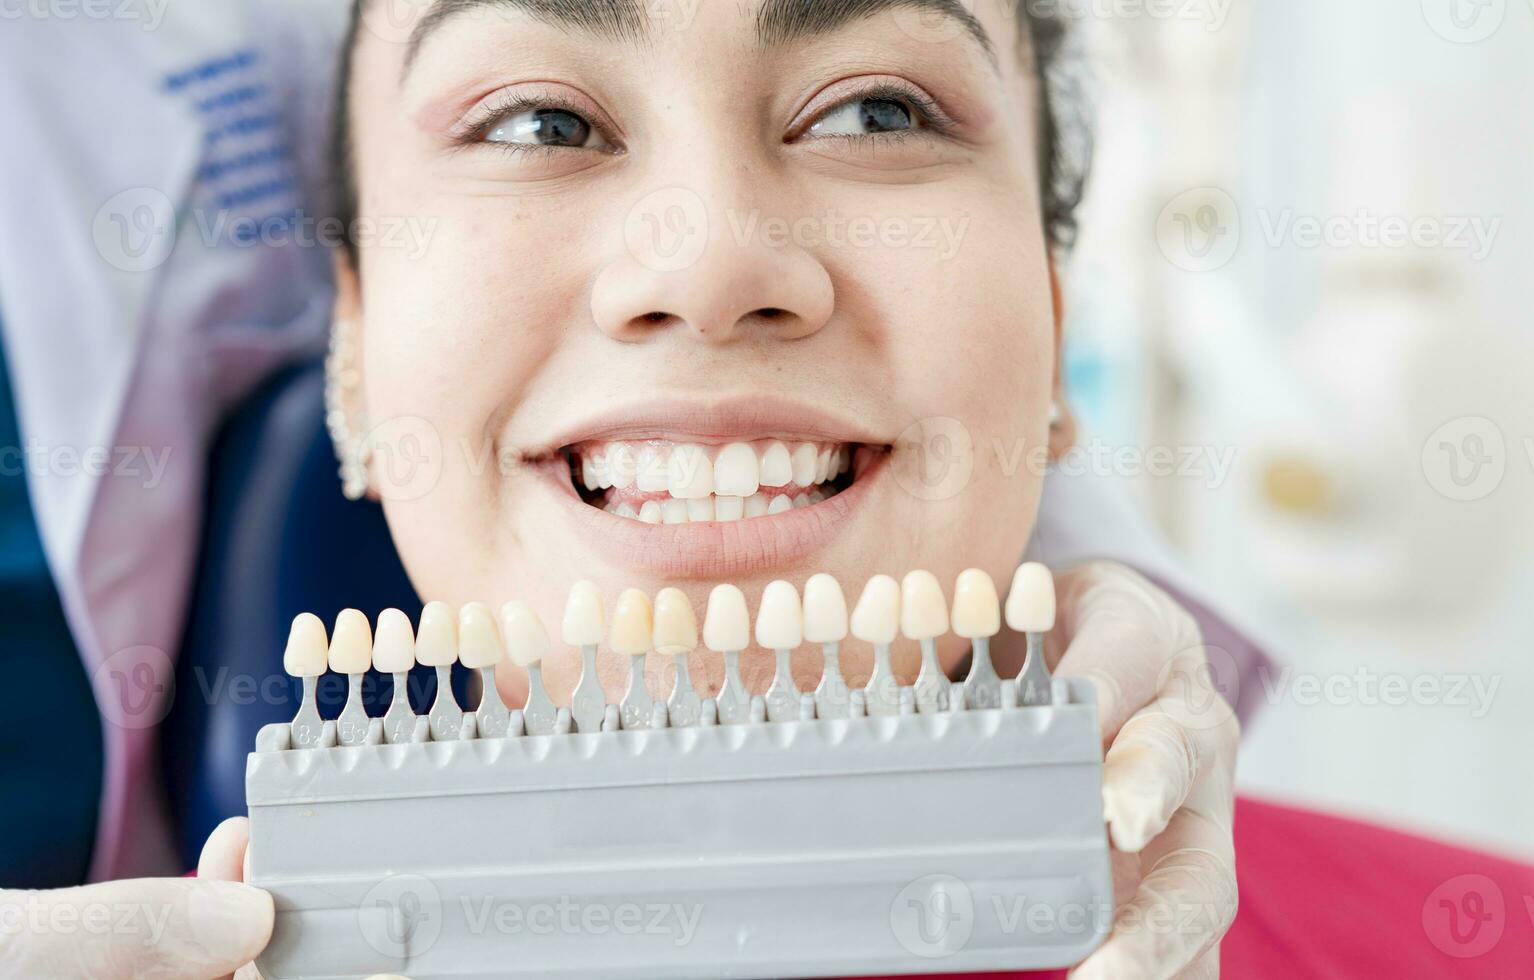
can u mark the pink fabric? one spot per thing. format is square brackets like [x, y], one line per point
[1327, 897]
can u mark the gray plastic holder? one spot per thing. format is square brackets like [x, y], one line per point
[945, 842]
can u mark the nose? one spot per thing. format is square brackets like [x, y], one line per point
[710, 273]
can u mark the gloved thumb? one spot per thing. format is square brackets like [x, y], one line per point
[145, 929]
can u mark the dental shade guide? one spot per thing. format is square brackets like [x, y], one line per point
[804, 796]
[1031, 610]
[436, 646]
[583, 626]
[924, 618]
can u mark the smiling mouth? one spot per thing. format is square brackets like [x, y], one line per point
[661, 481]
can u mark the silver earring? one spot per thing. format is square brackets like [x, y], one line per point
[353, 450]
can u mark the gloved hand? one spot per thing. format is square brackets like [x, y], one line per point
[1168, 776]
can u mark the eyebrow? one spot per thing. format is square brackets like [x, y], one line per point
[779, 22]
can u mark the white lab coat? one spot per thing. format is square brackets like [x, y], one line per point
[119, 335]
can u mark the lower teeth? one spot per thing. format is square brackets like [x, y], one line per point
[716, 509]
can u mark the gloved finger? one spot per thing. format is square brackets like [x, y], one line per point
[223, 856]
[1121, 634]
[1206, 967]
[145, 929]
[1147, 775]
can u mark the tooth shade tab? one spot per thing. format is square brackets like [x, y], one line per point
[737, 472]
[727, 626]
[308, 649]
[436, 638]
[527, 641]
[923, 610]
[676, 626]
[876, 618]
[393, 643]
[976, 607]
[479, 640]
[780, 620]
[583, 623]
[825, 610]
[632, 626]
[351, 645]
[1031, 603]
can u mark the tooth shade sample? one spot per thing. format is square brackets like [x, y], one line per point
[632, 627]
[777, 467]
[825, 610]
[308, 649]
[351, 645]
[436, 639]
[727, 626]
[976, 608]
[479, 641]
[676, 627]
[1031, 603]
[736, 472]
[876, 619]
[780, 621]
[583, 624]
[526, 640]
[804, 462]
[923, 610]
[394, 643]
[689, 474]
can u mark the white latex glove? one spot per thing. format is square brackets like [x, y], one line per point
[1168, 776]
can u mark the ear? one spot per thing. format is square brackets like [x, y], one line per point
[1063, 436]
[344, 367]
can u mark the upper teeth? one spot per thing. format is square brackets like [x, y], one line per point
[712, 475]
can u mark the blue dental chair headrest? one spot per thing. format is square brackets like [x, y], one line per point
[278, 539]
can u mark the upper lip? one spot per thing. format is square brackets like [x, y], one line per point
[720, 420]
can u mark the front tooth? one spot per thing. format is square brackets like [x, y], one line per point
[650, 512]
[676, 626]
[622, 465]
[804, 462]
[307, 649]
[674, 511]
[825, 610]
[436, 638]
[626, 510]
[823, 466]
[877, 616]
[780, 505]
[652, 474]
[479, 642]
[727, 626]
[690, 475]
[351, 644]
[589, 473]
[780, 620]
[526, 639]
[700, 511]
[976, 609]
[923, 610]
[1031, 603]
[394, 643]
[756, 505]
[777, 466]
[632, 624]
[729, 508]
[583, 620]
[736, 471]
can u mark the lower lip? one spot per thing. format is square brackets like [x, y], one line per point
[713, 550]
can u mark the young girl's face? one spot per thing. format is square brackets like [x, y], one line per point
[693, 253]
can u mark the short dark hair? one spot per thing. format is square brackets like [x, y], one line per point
[1065, 132]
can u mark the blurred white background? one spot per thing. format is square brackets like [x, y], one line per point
[1306, 249]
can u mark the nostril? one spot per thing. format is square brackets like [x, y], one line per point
[656, 316]
[771, 313]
